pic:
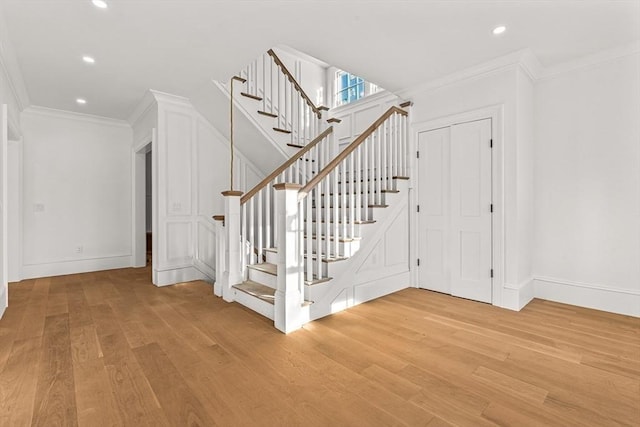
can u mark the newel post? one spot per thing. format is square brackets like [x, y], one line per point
[221, 247]
[233, 269]
[288, 297]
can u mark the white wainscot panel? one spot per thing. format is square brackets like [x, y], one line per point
[362, 119]
[206, 254]
[178, 247]
[178, 133]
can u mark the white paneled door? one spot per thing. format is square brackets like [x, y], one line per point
[454, 221]
[4, 291]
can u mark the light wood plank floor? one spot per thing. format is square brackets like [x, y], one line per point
[109, 348]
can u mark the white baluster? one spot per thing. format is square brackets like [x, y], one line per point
[243, 237]
[365, 178]
[357, 185]
[267, 223]
[309, 234]
[352, 198]
[336, 189]
[343, 201]
[260, 224]
[326, 225]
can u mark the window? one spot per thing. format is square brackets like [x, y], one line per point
[350, 88]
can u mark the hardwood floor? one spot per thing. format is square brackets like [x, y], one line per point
[109, 348]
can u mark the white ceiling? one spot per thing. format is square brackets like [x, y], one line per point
[176, 46]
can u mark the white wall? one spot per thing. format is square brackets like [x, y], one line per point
[587, 186]
[192, 164]
[505, 87]
[76, 193]
[359, 115]
[310, 73]
[14, 209]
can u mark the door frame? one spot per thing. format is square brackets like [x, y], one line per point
[496, 114]
[138, 203]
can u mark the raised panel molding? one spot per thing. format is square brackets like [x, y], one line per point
[178, 248]
[178, 150]
[206, 247]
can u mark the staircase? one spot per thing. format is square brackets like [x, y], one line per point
[286, 247]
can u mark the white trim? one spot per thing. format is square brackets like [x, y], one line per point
[477, 71]
[33, 271]
[599, 297]
[592, 60]
[145, 104]
[515, 297]
[70, 115]
[496, 114]
[174, 276]
[3, 298]
[170, 99]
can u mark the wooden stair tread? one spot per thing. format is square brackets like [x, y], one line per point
[353, 181]
[361, 222]
[342, 239]
[265, 267]
[273, 250]
[295, 145]
[317, 281]
[258, 290]
[282, 130]
[265, 113]
[248, 95]
[327, 260]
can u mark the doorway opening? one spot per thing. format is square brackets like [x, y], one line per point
[143, 206]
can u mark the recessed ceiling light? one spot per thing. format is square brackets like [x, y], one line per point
[88, 59]
[99, 3]
[499, 30]
[81, 101]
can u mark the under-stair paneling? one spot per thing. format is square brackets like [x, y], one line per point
[193, 171]
[178, 248]
[205, 257]
[178, 146]
[380, 267]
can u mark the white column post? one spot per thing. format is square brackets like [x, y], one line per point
[221, 240]
[233, 271]
[288, 298]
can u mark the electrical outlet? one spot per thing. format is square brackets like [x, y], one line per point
[38, 207]
[79, 249]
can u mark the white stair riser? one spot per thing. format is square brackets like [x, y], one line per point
[345, 249]
[365, 214]
[272, 257]
[262, 277]
[255, 304]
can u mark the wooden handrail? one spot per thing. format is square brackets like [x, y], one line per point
[292, 79]
[285, 165]
[304, 191]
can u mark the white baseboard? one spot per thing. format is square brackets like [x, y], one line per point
[515, 297]
[621, 301]
[179, 275]
[3, 302]
[34, 271]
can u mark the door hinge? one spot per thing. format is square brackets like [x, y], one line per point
[417, 208]
[491, 143]
[417, 154]
[418, 262]
[492, 273]
[491, 208]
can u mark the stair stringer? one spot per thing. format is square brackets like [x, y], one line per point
[369, 274]
[250, 137]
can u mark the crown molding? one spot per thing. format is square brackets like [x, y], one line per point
[496, 65]
[146, 103]
[70, 115]
[169, 98]
[592, 60]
